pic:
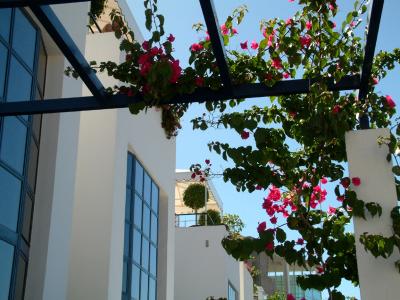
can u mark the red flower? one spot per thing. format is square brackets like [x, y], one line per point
[199, 81]
[273, 220]
[131, 93]
[305, 41]
[254, 45]
[258, 187]
[333, 25]
[292, 114]
[331, 210]
[155, 51]
[320, 269]
[345, 182]
[193, 175]
[234, 31]
[300, 241]
[277, 63]
[269, 246]
[224, 29]
[289, 21]
[375, 80]
[128, 57]
[207, 161]
[390, 102]
[331, 7]
[146, 45]
[171, 38]
[286, 75]
[324, 180]
[261, 227]
[290, 297]
[176, 71]
[356, 181]
[340, 198]
[291, 0]
[245, 135]
[244, 45]
[308, 25]
[196, 47]
[336, 109]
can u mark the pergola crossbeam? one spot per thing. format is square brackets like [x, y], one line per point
[23, 3]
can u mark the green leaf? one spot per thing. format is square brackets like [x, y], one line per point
[149, 14]
[280, 235]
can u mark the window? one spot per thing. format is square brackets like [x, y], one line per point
[22, 74]
[232, 293]
[141, 234]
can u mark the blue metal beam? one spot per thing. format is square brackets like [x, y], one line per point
[22, 3]
[289, 87]
[61, 37]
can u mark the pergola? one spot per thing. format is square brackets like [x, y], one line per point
[101, 100]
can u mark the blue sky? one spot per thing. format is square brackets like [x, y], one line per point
[180, 15]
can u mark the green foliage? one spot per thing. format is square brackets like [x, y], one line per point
[234, 223]
[195, 196]
[97, 7]
[277, 296]
[213, 218]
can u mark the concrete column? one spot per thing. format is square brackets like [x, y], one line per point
[379, 278]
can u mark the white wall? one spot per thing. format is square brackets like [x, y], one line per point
[203, 271]
[98, 221]
[52, 219]
[246, 283]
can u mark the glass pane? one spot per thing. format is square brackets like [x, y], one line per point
[146, 220]
[139, 178]
[24, 39]
[19, 82]
[36, 125]
[144, 286]
[32, 165]
[135, 284]
[154, 198]
[128, 205]
[3, 65]
[126, 240]
[20, 284]
[41, 71]
[153, 260]
[124, 277]
[154, 228]
[129, 170]
[5, 21]
[152, 289]
[13, 143]
[147, 188]
[138, 212]
[26, 226]
[10, 191]
[137, 240]
[6, 259]
[145, 254]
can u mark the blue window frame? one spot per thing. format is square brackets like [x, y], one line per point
[141, 234]
[232, 293]
[22, 74]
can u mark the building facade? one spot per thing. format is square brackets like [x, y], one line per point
[86, 198]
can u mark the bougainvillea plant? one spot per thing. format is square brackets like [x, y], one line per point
[308, 45]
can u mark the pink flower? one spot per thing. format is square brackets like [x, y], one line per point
[340, 198]
[196, 47]
[273, 220]
[261, 227]
[375, 81]
[333, 25]
[292, 114]
[336, 109]
[274, 194]
[269, 246]
[146, 45]
[199, 82]
[155, 51]
[308, 25]
[244, 45]
[176, 71]
[254, 45]
[356, 181]
[300, 241]
[291, 0]
[320, 269]
[289, 21]
[390, 102]
[290, 297]
[234, 31]
[345, 182]
[128, 57]
[277, 63]
[245, 135]
[224, 29]
[207, 161]
[331, 210]
[258, 187]
[305, 41]
[193, 175]
[331, 7]
[352, 24]
[171, 38]
[324, 180]
[286, 75]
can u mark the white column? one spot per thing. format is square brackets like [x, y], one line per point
[379, 278]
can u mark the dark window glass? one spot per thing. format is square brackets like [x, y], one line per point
[147, 188]
[128, 205]
[136, 246]
[153, 260]
[32, 166]
[146, 220]
[13, 143]
[19, 82]
[3, 65]
[20, 284]
[152, 289]
[144, 286]
[24, 39]
[36, 125]
[154, 228]
[10, 192]
[138, 212]
[145, 254]
[127, 236]
[129, 171]
[26, 226]
[41, 69]
[6, 259]
[135, 285]
[124, 277]
[154, 198]
[139, 178]
[5, 21]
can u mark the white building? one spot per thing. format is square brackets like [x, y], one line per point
[202, 267]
